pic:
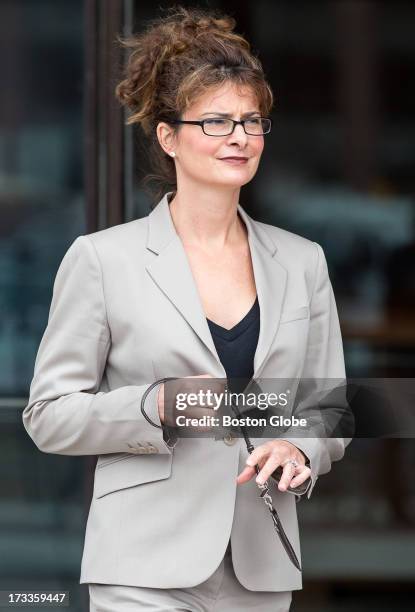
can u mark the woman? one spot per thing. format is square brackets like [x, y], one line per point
[195, 289]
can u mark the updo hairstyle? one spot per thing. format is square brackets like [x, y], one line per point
[173, 61]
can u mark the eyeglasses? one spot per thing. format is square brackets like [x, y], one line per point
[256, 126]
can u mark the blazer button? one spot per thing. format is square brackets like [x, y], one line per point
[229, 439]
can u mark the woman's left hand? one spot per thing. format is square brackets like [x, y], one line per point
[269, 456]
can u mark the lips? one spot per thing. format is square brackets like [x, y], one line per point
[236, 158]
[235, 161]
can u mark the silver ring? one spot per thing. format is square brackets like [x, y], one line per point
[293, 462]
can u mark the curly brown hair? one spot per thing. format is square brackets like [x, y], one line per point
[173, 61]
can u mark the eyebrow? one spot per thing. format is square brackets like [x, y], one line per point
[230, 114]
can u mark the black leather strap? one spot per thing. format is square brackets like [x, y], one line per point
[168, 432]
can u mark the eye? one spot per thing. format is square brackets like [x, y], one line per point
[215, 121]
[254, 121]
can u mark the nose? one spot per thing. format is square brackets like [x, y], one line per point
[238, 135]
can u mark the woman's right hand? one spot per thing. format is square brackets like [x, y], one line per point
[191, 411]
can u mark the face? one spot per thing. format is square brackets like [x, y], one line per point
[199, 156]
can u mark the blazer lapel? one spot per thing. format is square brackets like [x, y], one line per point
[171, 271]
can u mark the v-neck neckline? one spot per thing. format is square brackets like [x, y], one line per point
[237, 329]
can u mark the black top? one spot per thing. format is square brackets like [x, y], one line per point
[236, 346]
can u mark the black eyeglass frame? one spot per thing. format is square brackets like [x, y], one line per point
[242, 122]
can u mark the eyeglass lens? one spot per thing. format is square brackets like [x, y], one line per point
[222, 127]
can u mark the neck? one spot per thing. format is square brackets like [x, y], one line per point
[207, 218]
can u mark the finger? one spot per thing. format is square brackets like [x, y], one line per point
[300, 478]
[249, 471]
[258, 455]
[288, 473]
[246, 474]
[271, 464]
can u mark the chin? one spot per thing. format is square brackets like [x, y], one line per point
[237, 181]
[234, 183]
[236, 175]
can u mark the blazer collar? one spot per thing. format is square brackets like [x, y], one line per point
[171, 271]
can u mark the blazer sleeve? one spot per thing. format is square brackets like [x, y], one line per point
[324, 360]
[66, 414]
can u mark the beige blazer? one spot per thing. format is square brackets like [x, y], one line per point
[126, 311]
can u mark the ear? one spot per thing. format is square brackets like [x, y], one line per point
[166, 136]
